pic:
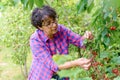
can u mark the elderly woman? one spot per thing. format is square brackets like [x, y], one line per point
[49, 39]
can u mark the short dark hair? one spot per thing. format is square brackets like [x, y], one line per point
[39, 13]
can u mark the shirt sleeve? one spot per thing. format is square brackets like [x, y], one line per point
[74, 38]
[40, 52]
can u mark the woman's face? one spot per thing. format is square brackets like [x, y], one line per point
[49, 26]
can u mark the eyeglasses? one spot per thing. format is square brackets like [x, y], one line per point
[50, 23]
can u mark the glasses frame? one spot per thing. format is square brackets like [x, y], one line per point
[50, 23]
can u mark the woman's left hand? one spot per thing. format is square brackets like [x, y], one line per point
[88, 35]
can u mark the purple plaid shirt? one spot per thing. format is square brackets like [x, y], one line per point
[43, 49]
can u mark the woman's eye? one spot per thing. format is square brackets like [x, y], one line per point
[48, 23]
[52, 22]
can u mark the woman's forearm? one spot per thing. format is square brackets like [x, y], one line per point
[67, 65]
[81, 62]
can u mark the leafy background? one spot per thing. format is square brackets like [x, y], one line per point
[98, 16]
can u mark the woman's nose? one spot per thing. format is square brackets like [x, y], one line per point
[55, 24]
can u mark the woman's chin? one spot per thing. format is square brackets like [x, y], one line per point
[55, 32]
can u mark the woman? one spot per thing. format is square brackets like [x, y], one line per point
[51, 38]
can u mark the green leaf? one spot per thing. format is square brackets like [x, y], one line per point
[104, 38]
[49, 2]
[104, 54]
[16, 1]
[107, 13]
[65, 73]
[115, 24]
[97, 13]
[39, 3]
[116, 60]
[90, 2]
[112, 3]
[89, 8]
[24, 2]
[117, 78]
[108, 69]
[114, 15]
[104, 32]
[106, 41]
[85, 78]
[60, 59]
[81, 6]
[31, 3]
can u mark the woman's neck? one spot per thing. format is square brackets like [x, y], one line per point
[50, 36]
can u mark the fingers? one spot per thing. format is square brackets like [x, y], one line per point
[86, 66]
[88, 35]
[92, 58]
[91, 37]
[85, 63]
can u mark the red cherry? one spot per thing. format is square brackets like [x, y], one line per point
[101, 64]
[94, 53]
[95, 64]
[115, 71]
[93, 76]
[106, 79]
[112, 28]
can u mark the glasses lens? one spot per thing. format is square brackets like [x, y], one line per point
[50, 22]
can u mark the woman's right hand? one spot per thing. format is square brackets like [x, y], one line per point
[83, 63]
